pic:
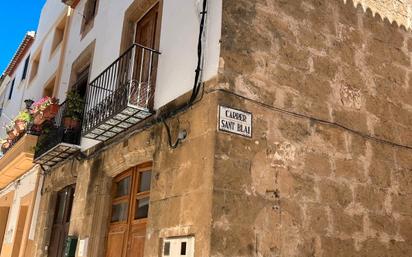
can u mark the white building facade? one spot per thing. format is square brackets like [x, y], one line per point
[140, 55]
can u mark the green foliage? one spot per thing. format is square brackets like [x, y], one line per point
[74, 105]
[47, 128]
[25, 116]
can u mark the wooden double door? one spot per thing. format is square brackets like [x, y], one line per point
[130, 206]
[61, 221]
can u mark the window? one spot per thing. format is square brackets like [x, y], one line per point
[79, 76]
[120, 206]
[58, 35]
[35, 66]
[90, 10]
[82, 80]
[131, 188]
[142, 195]
[11, 88]
[49, 89]
[26, 66]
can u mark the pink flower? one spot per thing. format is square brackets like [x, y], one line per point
[42, 104]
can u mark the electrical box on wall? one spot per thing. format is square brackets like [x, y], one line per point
[179, 246]
[82, 251]
[71, 244]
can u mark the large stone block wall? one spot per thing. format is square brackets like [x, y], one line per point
[303, 188]
[322, 79]
[181, 192]
[325, 173]
[320, 58]
[53, 183]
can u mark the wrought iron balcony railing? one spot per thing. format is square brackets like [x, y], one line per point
[57, 141]
[122, 95]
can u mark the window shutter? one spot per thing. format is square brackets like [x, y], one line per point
[11, 88]
[26, 66]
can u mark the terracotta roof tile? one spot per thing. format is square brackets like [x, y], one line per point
[21, 51]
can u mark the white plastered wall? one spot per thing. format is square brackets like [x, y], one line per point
[52, 12]
[21, 187]
[178, 44]
[11, 107]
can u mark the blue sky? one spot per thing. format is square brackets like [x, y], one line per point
[16, 18]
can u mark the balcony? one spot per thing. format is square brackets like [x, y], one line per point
[58, 140]
[18, 159]
[28, 132]
[122, 95]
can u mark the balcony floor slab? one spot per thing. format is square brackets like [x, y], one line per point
[117, 123]
[57, 154]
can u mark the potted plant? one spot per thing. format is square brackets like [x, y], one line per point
[5, 145]
[22, 120]
[74, 110]
[51, 110]
[11, 131]
[20, 126]
[44, 109]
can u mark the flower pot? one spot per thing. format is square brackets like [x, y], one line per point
[71, 123]
[38, 119]
[5, 146]
[12, 134]
[35, 129]
[20, 126]
[51, 111]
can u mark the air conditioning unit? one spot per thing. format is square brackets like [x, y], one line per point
[178, 247]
